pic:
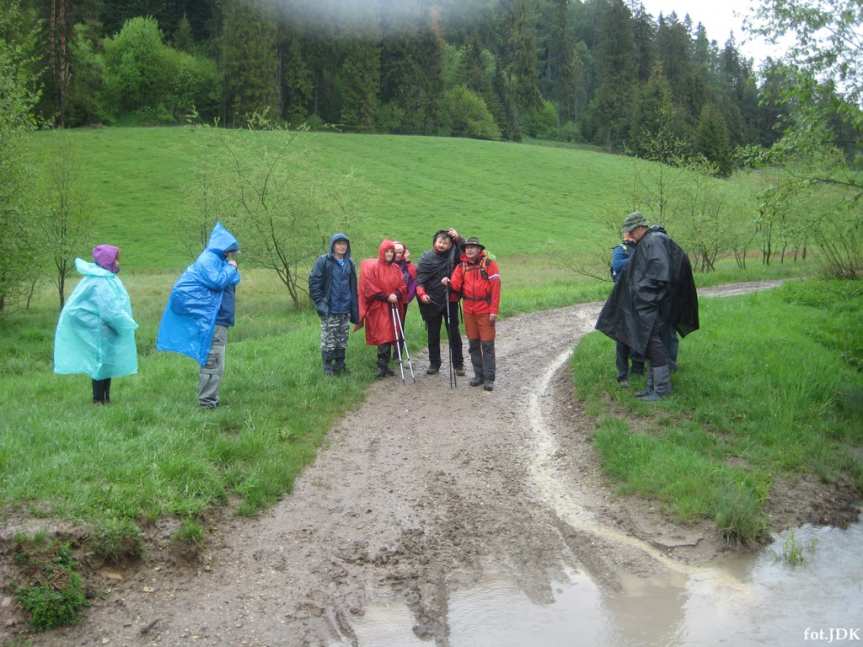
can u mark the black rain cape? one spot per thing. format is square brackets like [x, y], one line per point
[655, 290]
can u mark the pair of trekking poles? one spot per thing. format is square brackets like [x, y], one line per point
[399, 330]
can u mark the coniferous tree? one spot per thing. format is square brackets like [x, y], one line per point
[249, 62]
[361, 80]
[711, 138]
[296, 81]
[611, 108]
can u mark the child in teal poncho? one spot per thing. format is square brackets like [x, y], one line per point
[96, 332]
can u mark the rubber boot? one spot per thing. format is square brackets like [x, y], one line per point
[384, 353]
[648, 389]
[476, 360]
[488, 365]
[339, 361]
[661, 383]
[327, 360]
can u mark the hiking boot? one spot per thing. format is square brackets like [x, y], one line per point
[488, 386]
[477, 380]
[459, 370]
[433, 370]
[622, 382]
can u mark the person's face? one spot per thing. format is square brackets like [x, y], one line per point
[638, 233]
[389, 255]
[340, 247]
[400, 252]
[442, 244]
[471, 251]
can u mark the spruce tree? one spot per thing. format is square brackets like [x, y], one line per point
[249, 61]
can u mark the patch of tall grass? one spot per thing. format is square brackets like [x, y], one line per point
[762, 391]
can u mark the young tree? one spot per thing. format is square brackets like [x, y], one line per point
[19, 94]
[280, 201]
[61, 224]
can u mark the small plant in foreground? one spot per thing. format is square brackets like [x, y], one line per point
[117, 540]
[739, 517]
[190, 533]
[793, 552]
[54, 594]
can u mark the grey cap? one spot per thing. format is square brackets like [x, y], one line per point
[633, 221]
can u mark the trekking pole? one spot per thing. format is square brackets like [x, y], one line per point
[398, 341]
[453, 380]
[405, 342]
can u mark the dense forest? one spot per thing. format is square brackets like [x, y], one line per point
[596, 71]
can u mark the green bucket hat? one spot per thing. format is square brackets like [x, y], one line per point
[633, 221]
[474, 241]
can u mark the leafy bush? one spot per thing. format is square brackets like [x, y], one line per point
[145, 76]
[570, 132]
[468, 116]
[542, 123]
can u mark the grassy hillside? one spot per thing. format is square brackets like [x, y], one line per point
[141, 183]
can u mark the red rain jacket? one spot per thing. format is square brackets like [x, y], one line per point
[478, 283]
[378, 280]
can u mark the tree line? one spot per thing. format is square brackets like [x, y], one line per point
[603, 72]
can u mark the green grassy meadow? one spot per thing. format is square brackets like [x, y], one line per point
[152, 453]
[771, 386]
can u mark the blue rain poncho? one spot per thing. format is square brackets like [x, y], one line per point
[190, 317]
[96, 332]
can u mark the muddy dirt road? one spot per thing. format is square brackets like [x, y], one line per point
[419, 493]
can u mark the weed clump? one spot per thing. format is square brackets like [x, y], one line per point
[117, 540]
[54, 594]
[739, 517]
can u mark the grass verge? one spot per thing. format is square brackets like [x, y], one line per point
[771, 385]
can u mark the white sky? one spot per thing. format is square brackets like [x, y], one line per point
[720, 18]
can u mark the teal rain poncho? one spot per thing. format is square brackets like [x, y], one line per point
[96, 332]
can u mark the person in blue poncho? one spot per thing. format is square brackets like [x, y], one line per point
[96, 332]
[201, 309]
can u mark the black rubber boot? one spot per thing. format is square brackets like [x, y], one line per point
[648, 389]
[661, 384]
[476, 361]
[339, 361]
[384, 354]
[488, 365]
[327, 360]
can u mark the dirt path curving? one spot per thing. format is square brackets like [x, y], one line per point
[419, 492]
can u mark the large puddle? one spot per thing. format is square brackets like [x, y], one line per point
[775, 604]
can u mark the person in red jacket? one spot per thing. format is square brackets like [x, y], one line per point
[381, 288]
[477, 279]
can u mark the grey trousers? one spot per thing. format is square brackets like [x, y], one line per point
[211, 375]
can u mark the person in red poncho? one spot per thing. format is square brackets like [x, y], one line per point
[382, 286]
[477, 280]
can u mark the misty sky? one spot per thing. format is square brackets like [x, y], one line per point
[720, 18]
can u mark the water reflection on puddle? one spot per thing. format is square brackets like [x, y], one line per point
[775, 605]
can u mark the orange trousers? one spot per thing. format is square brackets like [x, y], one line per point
[479, 327]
